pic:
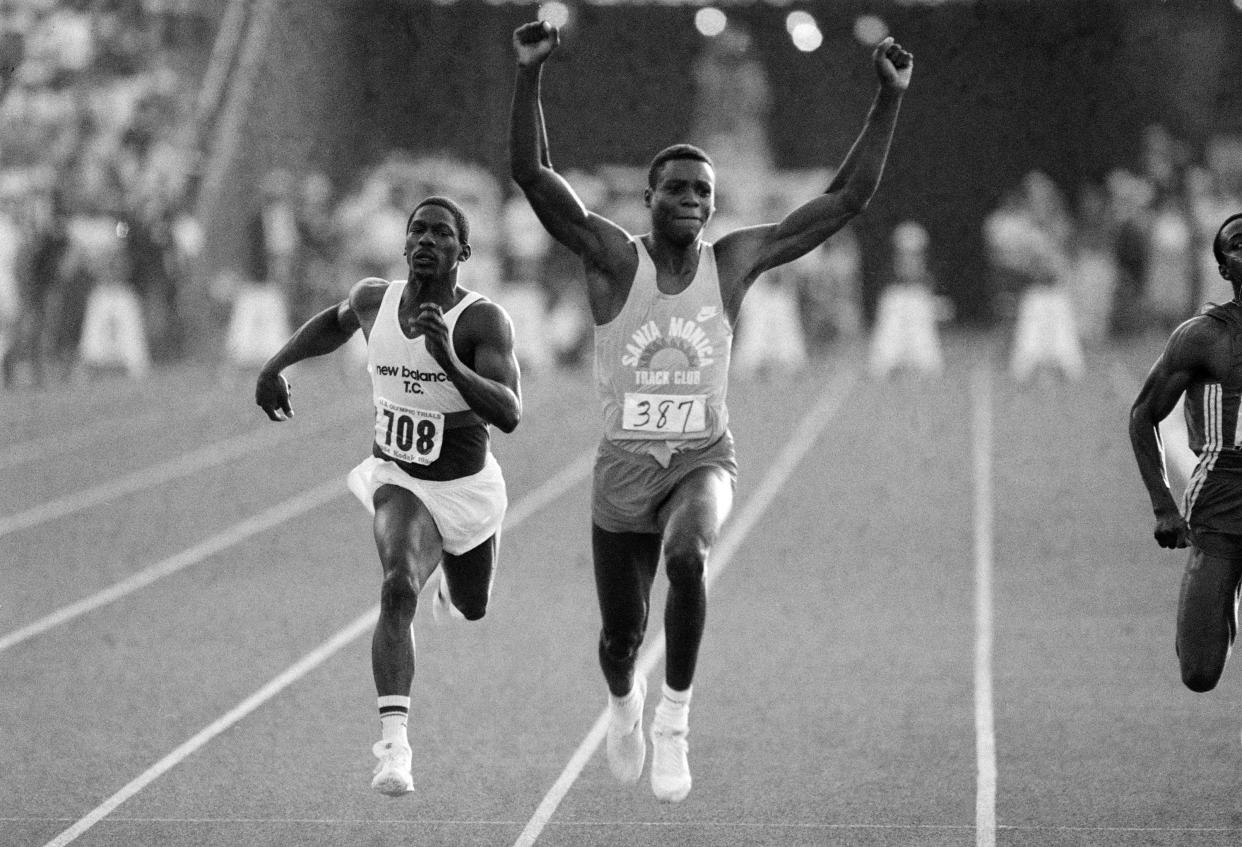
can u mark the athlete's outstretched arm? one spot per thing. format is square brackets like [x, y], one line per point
[559, 209]
[754, 250]
[1182, 360]
[322, 334]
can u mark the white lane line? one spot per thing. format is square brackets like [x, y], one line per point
[38, 448]
[802, 439]
[574, 473]
[295, 672]
[265, 520]
[184, 465]
[985, 730]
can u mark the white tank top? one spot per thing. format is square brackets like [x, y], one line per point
[411, 392]
[662, 364]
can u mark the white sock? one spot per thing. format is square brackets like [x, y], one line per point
[394, 712]
[673, 710]
[627, 707]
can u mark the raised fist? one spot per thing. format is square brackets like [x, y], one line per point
[534, 42]
[893, 64]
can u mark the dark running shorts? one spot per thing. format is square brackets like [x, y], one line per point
[629, 488]
[1215, 507]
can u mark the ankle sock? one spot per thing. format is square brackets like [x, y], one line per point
[628, 706]
[673, 710]
[394, 712]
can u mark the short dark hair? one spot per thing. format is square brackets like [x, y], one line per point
[676, 151]
[1216, 251]
[459, 217]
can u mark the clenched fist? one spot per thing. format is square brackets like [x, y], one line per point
[534, 42]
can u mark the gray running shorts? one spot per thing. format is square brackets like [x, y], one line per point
[629, 488]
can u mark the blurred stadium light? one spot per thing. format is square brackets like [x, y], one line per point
[710, 21]
[555, 13]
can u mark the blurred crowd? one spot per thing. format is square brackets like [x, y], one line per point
[94, 169]
[99, 161]
[1132, 251]
[314, 244]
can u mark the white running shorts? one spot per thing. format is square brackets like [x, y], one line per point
[467, 511]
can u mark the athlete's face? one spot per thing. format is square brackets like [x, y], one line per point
[683, 199]
[1230, 241]
[432, 244]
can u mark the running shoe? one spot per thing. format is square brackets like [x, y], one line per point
[670, 769]
[392, 774]
[626, 748]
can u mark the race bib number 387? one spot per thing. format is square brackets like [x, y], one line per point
[666, 414]
[409, 435]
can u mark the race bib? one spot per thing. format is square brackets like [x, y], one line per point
[409, 435]
[666, 414]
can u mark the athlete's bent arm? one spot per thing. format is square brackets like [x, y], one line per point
[1183, 359]
[492, 386]
[322, 334]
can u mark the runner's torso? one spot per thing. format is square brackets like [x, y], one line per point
[1212, 408]
[421, 420]
[662, 364]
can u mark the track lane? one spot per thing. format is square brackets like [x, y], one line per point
[1101, 744]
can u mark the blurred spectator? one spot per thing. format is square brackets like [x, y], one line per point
[1129, 197]
[906, 336]
[1093, 272]
[371, 221]
[1007, 234]
[768, 337]
[273, 233]
[11, 239]
[829, 291]
[42, 274]
[1168, 286]
[525, 245]
[318, 280]
[1210, 202]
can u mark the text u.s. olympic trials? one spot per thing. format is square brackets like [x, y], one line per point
[412, 378]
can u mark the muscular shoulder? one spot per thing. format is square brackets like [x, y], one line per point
[1201, 343]
[485, 321]
[366, 295]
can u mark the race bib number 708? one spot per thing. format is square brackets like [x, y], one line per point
[668, 414]
[409, 435]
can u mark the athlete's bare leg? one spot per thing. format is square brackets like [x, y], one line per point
[469, 577]
[625, 566]
[409, 551]
[692, 518]
[1207, 618]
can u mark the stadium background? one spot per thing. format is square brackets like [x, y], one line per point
[1003, 87]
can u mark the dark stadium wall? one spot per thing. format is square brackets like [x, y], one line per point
[1000, 88]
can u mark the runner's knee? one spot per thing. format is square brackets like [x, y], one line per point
[1198, 681]
[621, 647]
[398, 593]
[472, 610]
[685, 562]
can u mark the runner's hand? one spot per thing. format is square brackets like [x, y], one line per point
[893, 64]
[1171, 531]
[271, 393]
[534, 42]
[430, 322]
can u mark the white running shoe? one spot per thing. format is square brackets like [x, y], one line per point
[626, 747]
[670, 769]
[392, 774]
[442, 608]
